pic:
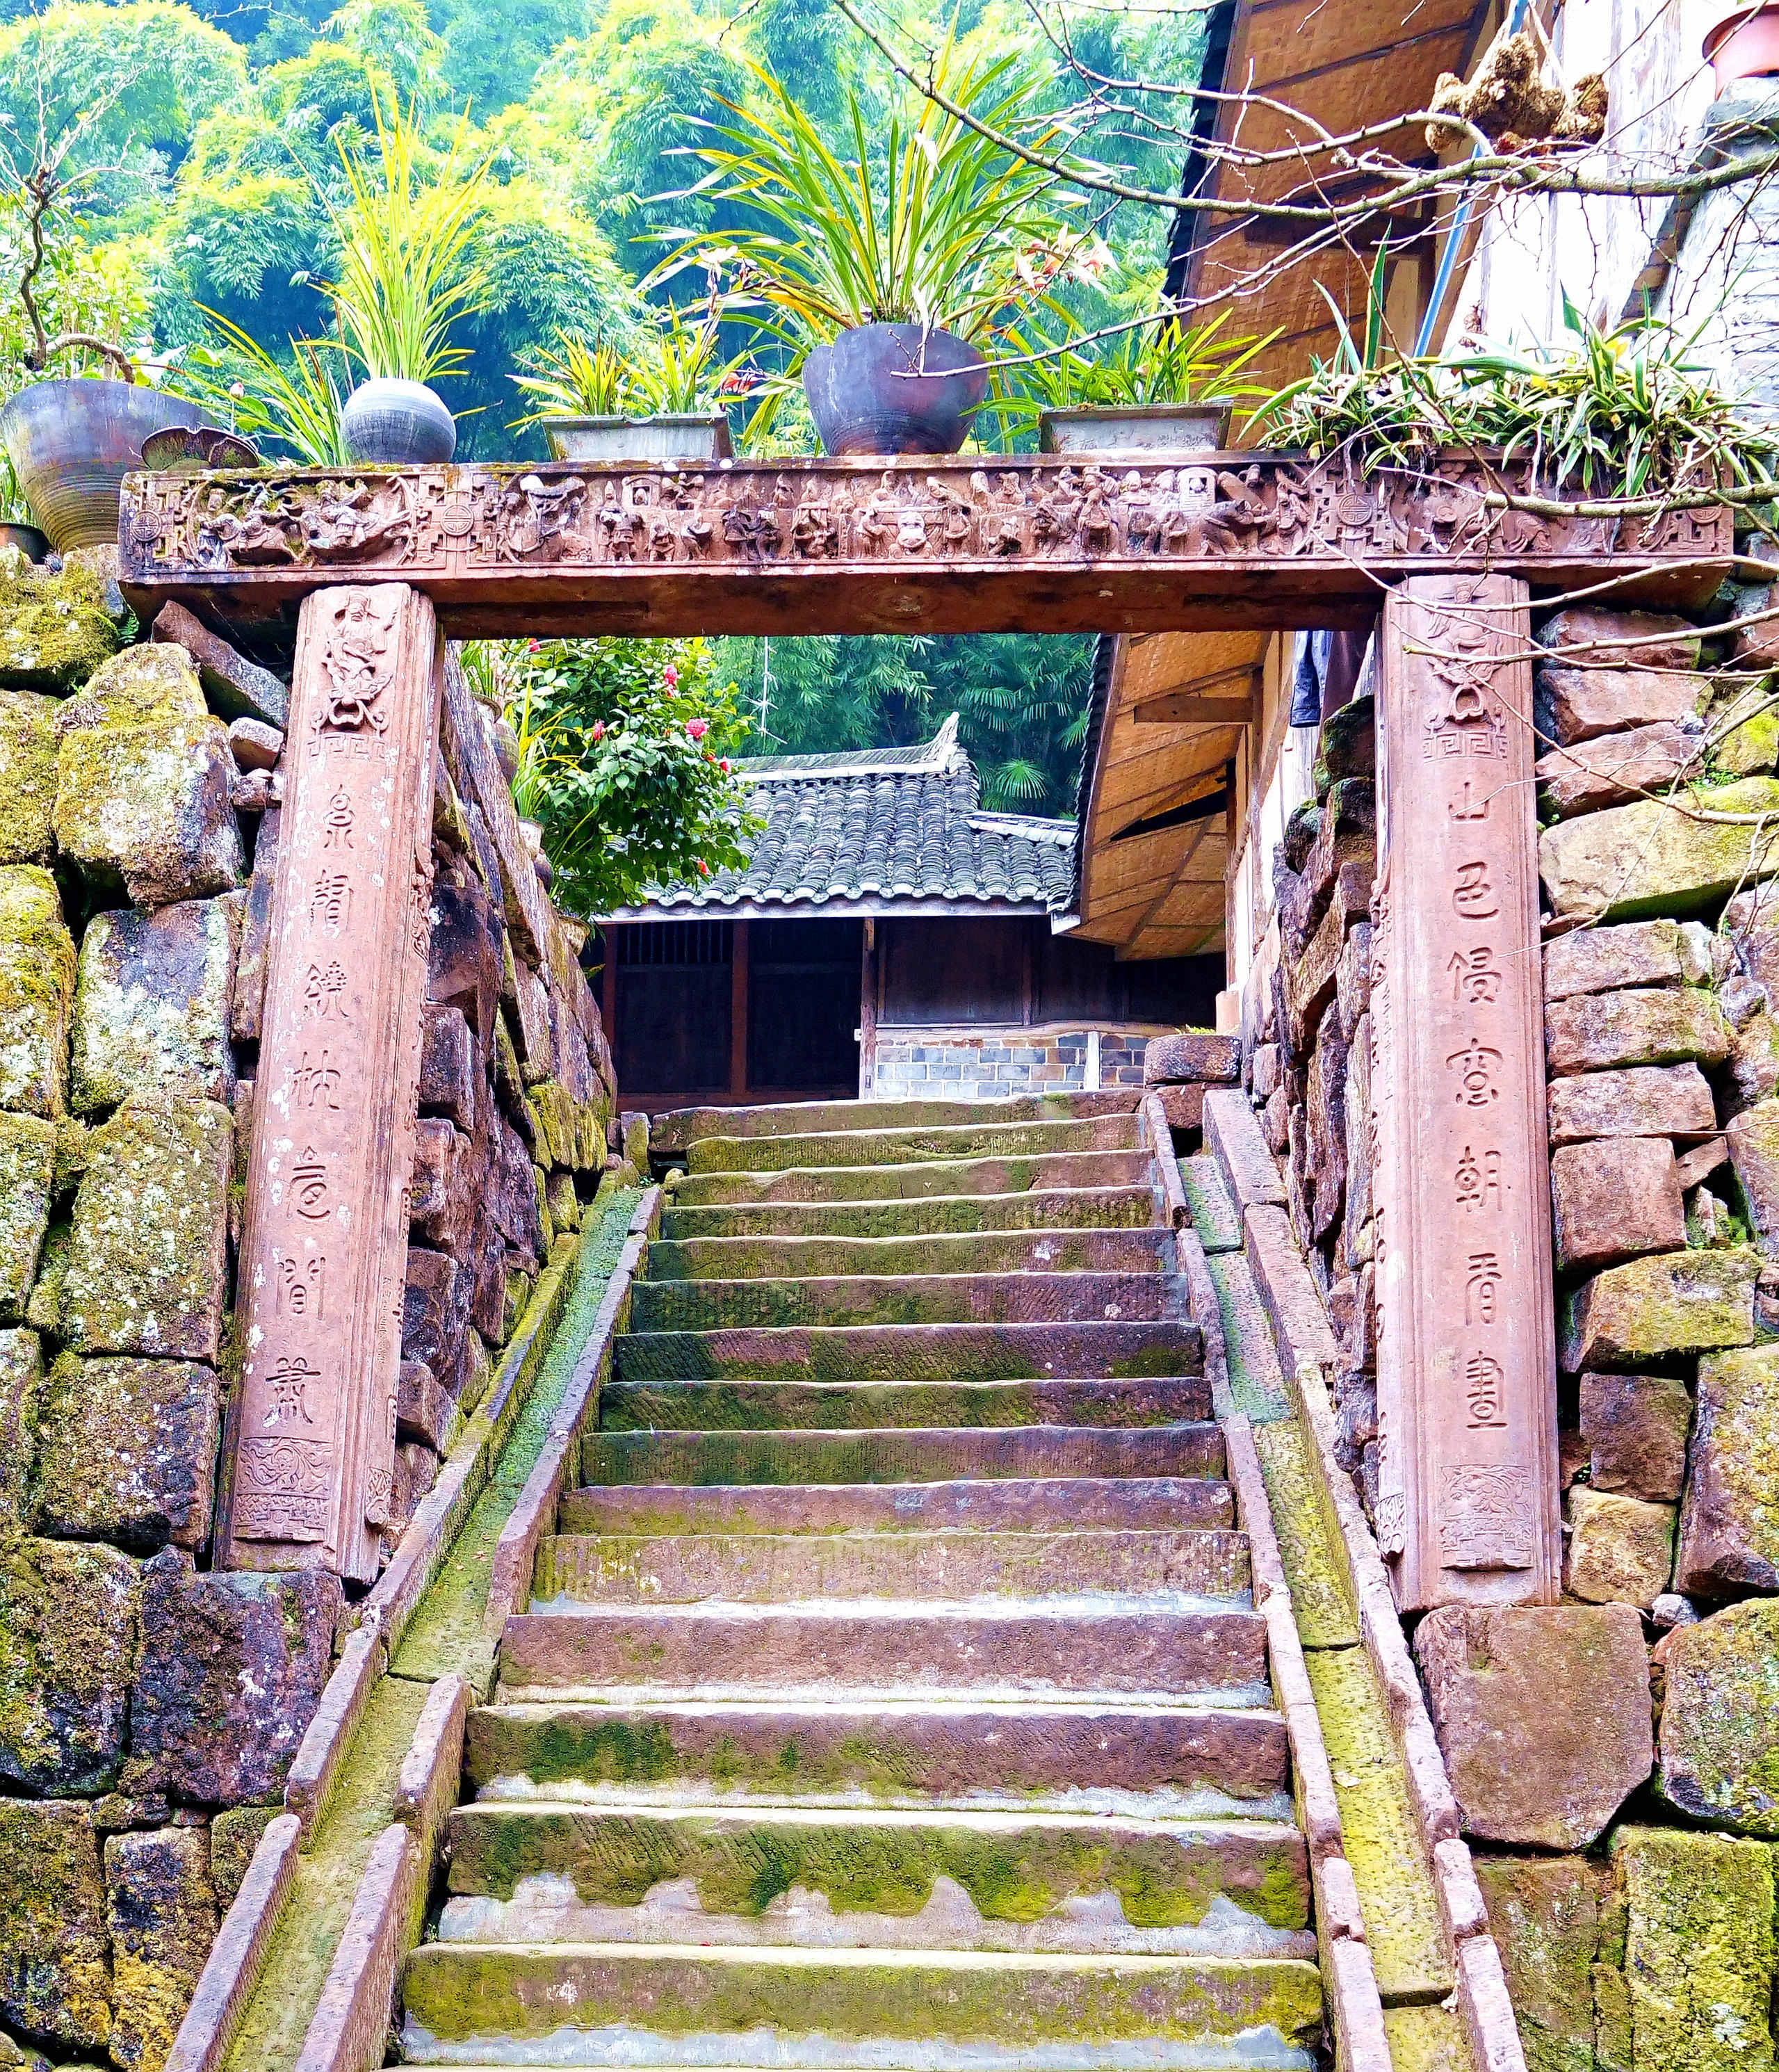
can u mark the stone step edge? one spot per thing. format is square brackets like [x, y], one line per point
[1307, 1354]
[232, 1971]
[671, 1132]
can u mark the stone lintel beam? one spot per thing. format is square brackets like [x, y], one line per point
[928, 544]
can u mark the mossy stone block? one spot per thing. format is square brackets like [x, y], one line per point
[234, 1834]
[231, 1669]
[1545, 1913]
[151, 1006]
[1620, 1550]
[21, 1383]
[126, 1451]
[55, 629]
[27, 776]
[1665, 1303]
[147, 1251]
[149, 807]
[1729, 1522]
[133, 688]
[37, 964]
[1644, 858]
[55, 1974]
[1719, 1739]
[161, 1908]
[67, 1652]
[1698, 1949]
[28, 1171]
[1749, 749]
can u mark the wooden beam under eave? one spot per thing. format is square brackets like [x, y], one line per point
[1183, 708]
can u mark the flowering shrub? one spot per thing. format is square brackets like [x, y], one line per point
[619, 763]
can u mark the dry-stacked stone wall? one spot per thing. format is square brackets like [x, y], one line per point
[1616, 1757]
[150, 1705]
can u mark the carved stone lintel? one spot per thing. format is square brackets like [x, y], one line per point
[1468, 1482]
[808, 545]
[324, 1247]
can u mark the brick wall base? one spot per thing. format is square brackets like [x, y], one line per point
[991, 1064]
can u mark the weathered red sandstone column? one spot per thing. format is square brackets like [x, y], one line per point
[324, 1251]
[1467, 1447]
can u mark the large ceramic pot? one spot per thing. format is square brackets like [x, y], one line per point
[895, 388]
[73, 442]
[397, 423]
[1144, 432]
[668, 437]
[1744, 44]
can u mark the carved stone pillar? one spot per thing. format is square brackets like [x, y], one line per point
[1467, 1440]
[324, 1257]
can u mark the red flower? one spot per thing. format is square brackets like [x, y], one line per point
[670, 677]
[724, 765]
[697, 729]
[704, 866]
[531, 646]
[599, 729]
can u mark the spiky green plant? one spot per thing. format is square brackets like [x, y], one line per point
[406, 232]
[298, 405]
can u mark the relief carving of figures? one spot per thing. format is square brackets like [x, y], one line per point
[533, 515]
[355, 659]
[351, 521]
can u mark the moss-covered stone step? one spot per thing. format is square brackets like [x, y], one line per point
[1070, 1504]
[609, 1459]
[1148, 1296]
[604, 2003]
[765, 1568]
[834, 1406]
[670, 1133]
[1093, 1350]
[1150, 1643]
[876, 1870]
[1051, 1210]
[1169, 1759]
[1026, 1251]
[921, 1179]
[973, 1139]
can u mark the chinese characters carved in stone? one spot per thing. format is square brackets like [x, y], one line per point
[1467, 1485]
[324, 1248]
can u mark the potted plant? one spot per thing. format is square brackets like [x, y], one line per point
[883, 271]
[406, 274]
[655, 402]
[69, 442]
[1162, 387]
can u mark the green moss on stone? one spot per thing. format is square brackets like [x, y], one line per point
[1699, 1951]
[1396, 1896]
[37, 967]
[149, 806]
[68, 1645]
[55, 629]
[1669, 1302]
[54, 1976]
[147, 1255]
[1545, 1913]
[140, 686]
[1316, 1572]
[1644, 858]
[1720, 1738]
[27, 776]
[27, 1168]
[21, 1383]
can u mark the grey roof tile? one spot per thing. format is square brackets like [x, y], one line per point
[881, 826]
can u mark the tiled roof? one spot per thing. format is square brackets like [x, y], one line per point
[880, 828]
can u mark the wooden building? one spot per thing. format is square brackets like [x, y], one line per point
[886, 936]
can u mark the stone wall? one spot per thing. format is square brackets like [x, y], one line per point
[1614, 1756]
[149, 1704]
[991, 1064]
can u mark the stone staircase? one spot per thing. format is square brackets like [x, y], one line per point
[891, 1693]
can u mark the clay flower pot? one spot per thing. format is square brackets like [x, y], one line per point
[895, 388]
[1744, 44]
[73, 442]
[397, 423]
